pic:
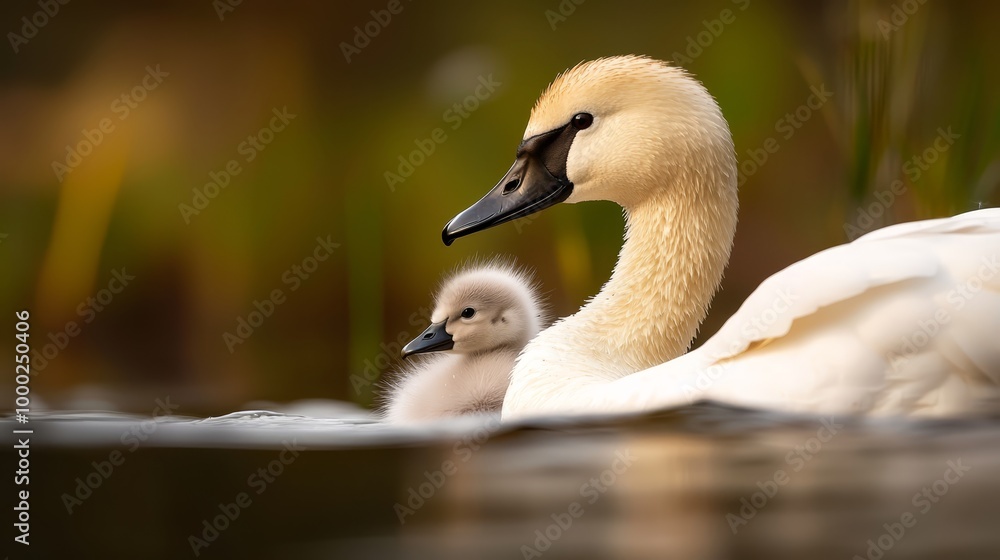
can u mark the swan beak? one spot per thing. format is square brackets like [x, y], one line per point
[433, 339]
[536, 181]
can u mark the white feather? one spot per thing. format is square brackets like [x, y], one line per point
[905, 320]
[893, 324]
[474, 375]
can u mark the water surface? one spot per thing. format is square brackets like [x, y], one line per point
[704, 481]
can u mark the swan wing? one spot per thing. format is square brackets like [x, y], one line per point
[902, 321]
[983, 221]
[933, 254]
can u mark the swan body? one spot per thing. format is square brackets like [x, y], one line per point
[483, 317]
[904, 320]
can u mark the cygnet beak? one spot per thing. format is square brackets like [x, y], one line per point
[536, 181]
[433, 339]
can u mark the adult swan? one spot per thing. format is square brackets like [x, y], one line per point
[905, 320]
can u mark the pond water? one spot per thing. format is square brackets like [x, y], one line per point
[704, 481]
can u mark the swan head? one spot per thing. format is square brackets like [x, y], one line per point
[622, 128]
[481, 309]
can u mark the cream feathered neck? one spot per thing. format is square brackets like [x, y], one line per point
[667, 272]
[681, 213]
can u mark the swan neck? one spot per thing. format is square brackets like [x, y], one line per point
[668, 270]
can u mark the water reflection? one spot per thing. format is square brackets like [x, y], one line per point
[703, 481]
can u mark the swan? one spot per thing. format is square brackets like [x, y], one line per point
[904, 320]
[483, 316]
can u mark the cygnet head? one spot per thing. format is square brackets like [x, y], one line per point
[482, 308]
[621, 128]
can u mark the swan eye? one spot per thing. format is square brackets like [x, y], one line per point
[582, 120]
[468, 313]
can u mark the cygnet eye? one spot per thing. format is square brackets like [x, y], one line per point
[582, 120]
[468, 313]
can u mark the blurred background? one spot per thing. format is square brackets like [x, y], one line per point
[232, 202]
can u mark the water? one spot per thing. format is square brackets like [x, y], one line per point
[704, 481]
